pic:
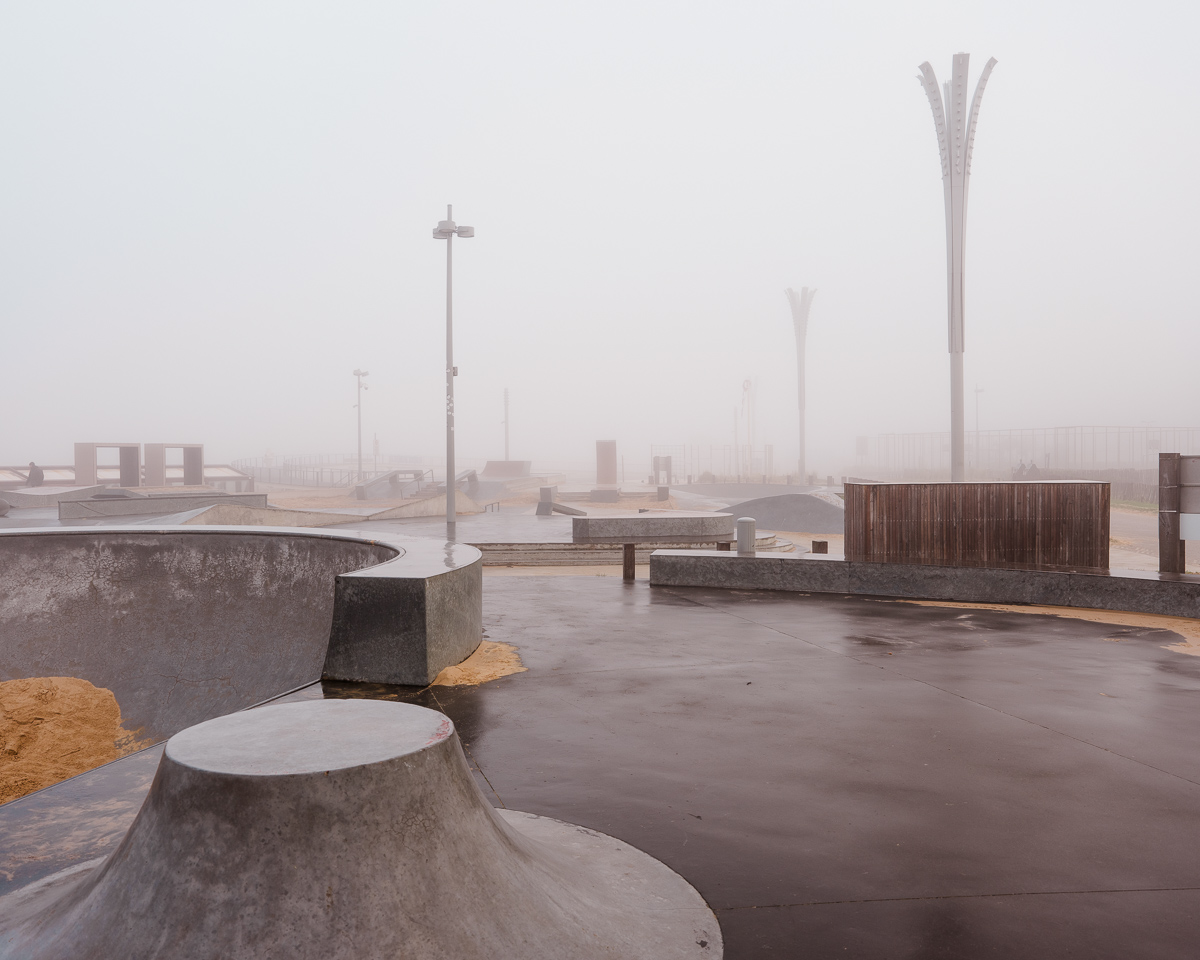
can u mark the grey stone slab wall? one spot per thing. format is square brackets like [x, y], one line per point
[1171, 594]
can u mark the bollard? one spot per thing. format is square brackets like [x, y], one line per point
[745, 536]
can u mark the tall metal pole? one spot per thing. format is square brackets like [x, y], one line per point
[358, 376]
[800, 303]
[450, 471]
[955, 126]
[506, 424]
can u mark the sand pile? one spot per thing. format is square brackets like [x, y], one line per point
[490, 661]
[52, 728]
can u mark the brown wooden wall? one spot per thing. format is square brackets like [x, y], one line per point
[1046, 525]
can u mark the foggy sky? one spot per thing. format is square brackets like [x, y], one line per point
[210, 214]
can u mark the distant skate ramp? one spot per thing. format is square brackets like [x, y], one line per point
[794, 512]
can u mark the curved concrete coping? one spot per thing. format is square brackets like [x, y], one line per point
[1176, 595]
[184, 623]
[348, 829]
[670, 526]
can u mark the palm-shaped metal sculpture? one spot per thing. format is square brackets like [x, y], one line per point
[955, 123]
[800, 304]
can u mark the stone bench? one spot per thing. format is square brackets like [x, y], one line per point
[653, 526]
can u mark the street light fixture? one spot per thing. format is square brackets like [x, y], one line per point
[361, 387]
[447, 230]
[954, 119]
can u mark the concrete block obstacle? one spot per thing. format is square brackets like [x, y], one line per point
[653, 526]
[338, 829]
[405, 622]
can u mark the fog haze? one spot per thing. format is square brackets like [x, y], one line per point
[211, 214]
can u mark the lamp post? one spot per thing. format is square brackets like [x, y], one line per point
[447, 230]
[955, 123]
[361, 387]
[800, 303]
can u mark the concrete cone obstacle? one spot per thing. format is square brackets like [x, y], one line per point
[351, 829]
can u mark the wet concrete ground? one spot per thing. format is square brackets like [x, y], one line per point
[838, 777]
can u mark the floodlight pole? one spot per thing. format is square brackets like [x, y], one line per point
[359, 374]
[800, 303]
[955, 124]
[506, 424]
[446, 230]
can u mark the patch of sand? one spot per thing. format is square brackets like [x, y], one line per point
[1186, 627]
[490, 661]
[52, 728]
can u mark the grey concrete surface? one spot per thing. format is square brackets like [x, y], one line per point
[47, 496]
[675, 526]
[838, 776]
[350, 829]
[188, 623]
[794, 511]
[152, 505]
[1138, 591]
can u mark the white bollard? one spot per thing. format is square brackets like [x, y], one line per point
[745, 536]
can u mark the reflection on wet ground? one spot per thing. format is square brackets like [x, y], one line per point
[837, 776]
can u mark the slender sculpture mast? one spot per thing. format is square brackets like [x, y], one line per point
[955, 125]
[800, 304]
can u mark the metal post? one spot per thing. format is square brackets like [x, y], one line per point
[450, 471]
[506, 424]
[628, 561]
[1170, 547]
[800, 303]
[359, 406]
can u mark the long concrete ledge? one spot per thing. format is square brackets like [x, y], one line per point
[188, 623]
[1175, 595]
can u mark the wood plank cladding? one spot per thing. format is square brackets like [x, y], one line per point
[1032, 525]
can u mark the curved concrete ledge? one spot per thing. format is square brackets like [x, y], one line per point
[348, 829]
[188, 623]
[1176, 595]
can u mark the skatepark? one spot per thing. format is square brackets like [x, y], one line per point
[857, 773]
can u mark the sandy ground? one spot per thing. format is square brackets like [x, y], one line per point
[1186, 627]
[52, 728]
[490, 661]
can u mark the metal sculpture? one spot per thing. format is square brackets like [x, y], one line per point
[955, 125]
[800, 304]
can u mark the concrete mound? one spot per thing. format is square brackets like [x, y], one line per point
[796, 512]
[350, 829]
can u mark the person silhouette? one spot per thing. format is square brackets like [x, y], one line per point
[36, 475]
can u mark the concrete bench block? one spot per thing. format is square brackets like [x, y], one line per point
[667, 526]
